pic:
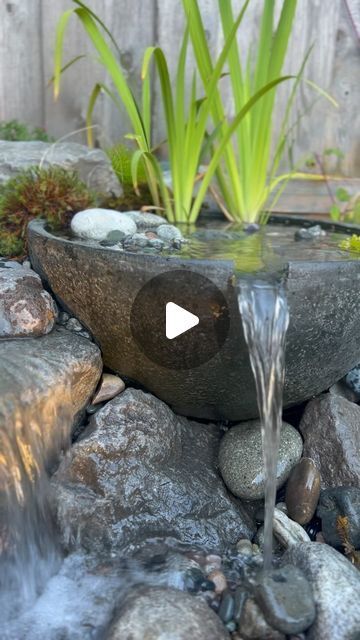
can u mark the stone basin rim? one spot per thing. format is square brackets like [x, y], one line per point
[39, 226]
[322, 341]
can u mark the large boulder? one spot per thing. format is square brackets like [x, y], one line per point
[140, 471]
[26, 309]
[44, 385]
[92, 165]
[336, 587]
[156, 613]
[330, 427]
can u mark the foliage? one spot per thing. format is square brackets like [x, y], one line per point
[187, 136]
[343, 530]
[54, 194]
[248, 174]
[121, 158]
[18, 131]
[345, 207]
[351, 244]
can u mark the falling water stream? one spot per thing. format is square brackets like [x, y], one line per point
[28, 550]
[265, 318]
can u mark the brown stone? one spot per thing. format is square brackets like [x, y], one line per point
[330, 427]
[219, 580]
[109, 387]
[26, 309]
[152, 613]
[253, 624]
[303, 491]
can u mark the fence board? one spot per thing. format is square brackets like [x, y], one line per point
[26, 56]
[21, 74]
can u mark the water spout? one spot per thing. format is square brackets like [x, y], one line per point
[265, 317]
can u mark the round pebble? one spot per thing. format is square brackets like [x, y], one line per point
[110, 386]
[303, 491]
[96, 224]
[286, 600]
[241, 459]
[168, 233]
[219, 580]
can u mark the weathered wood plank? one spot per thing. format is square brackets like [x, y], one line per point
[21, 78]
[27, 29]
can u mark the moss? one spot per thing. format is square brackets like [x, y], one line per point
[18, 131]
[351, 244]
[53, 194]
[10, 245]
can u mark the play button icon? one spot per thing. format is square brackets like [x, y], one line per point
[178, 320]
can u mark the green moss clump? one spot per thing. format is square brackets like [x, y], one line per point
[351, 244]
[16, 131]
[54, 194]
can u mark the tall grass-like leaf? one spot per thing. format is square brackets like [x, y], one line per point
[248, 171]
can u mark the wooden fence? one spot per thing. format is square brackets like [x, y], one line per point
[27, 29]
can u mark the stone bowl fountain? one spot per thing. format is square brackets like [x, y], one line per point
[100, 287]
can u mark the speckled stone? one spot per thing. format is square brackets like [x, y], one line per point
[145, 220]
[96, 224]
[155, 613]
[110, 386]
[241, 461]
[303, 491]
[336, 586]
[352, 380]
[168, 233]
[26, 309]
[286, 600]
[330, 427]
[253, 625]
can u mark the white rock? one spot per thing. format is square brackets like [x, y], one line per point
[287, 531]
[95, 224]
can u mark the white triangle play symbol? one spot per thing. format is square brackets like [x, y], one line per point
[178, 320]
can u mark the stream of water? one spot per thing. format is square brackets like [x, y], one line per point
[28, 550]
[265, 318]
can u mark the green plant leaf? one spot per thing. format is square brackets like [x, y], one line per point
[343, 195]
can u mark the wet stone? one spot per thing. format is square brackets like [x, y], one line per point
[330, 427]
[139, 239]
[169, 233]
[303, 491]
[254, 626]
[227, 606]
[311, 233]
[156, 243]
[219, 581]
[116, 236]
[110, 386]
[352, 380]
[240, 597]
[287, 531]
[193, 581]
[241, 459]
[285, 598]
[336, 586]
[155, 613]
[336, 504]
